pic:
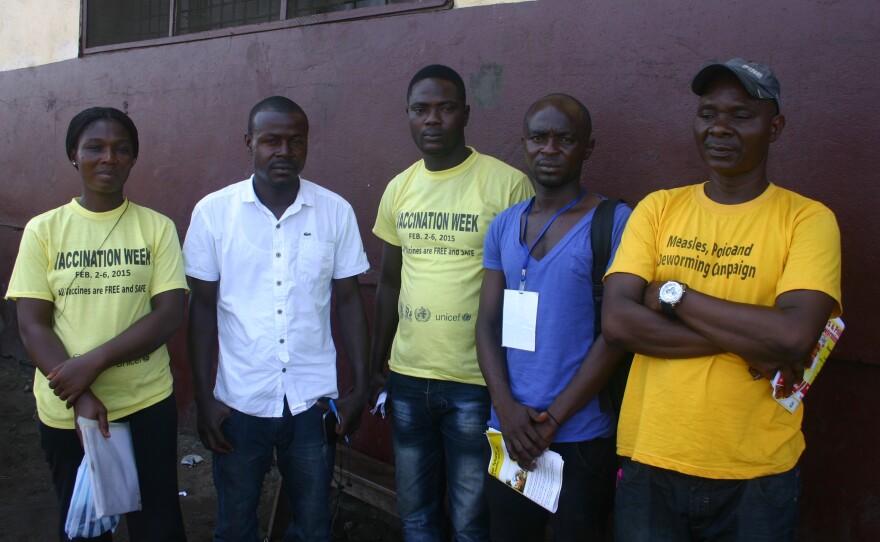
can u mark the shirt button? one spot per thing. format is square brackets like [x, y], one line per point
[283, 370]
[279, 311]
[278, 283]
[281, 341]
[277, 254]
[277, 226]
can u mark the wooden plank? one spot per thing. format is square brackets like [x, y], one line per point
[361, 476]
[366, 479]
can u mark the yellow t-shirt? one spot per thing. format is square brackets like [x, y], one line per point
[100, 270]
[706, 416]
[439, 219]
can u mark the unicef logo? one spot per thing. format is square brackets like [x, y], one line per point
[423, 314]
[466, 317]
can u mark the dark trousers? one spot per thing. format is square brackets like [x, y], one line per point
[659, 505]
[305, 460]
[154, 439]
[585, 500]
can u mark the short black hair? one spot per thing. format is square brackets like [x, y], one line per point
[279, 104]
[438, 71]
[85, 118]
[560, 97]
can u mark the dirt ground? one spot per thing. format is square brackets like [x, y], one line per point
[28, 510]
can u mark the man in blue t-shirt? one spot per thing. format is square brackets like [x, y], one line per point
[543, 368]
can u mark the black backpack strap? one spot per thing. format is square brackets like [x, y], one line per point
[601, 231]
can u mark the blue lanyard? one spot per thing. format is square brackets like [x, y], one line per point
[528, 250]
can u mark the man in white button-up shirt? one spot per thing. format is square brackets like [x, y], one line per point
[262, 257]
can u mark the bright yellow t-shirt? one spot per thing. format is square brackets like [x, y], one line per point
[100, 270]
[706, 416]
[439, 219]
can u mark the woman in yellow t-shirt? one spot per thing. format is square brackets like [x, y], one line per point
[100, 288]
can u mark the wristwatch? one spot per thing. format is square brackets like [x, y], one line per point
[670, 296]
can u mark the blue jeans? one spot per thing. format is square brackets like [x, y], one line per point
[438, 430]
[306, 465]
[657, 505]
[584, 502]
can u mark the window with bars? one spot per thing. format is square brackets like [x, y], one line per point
[115, 22]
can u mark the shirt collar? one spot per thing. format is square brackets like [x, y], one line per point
[305, 196]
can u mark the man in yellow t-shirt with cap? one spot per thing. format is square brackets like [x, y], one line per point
[715, 286]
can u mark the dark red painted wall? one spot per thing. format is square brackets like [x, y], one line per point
[630, 62]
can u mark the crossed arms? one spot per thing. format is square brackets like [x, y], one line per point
[770, 339]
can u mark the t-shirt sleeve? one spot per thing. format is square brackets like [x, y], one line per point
[492, 244]
[636, 252]
[621, 216]
[167, 261]
[349, 258]
[814, 257]
[199, 249]
[386, 227]
[522, 190]
[30, 277]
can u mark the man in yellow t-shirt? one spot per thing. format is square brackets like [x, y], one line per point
[715, 286]
[433, 219]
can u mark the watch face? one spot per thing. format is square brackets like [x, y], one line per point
[671, 292]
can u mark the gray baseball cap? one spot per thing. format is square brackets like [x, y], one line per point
[757, 79]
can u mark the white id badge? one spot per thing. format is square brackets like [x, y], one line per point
[520, 316]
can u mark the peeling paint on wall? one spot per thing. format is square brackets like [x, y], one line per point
[487, 85]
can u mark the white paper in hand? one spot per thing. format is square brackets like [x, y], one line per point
[115, 485]
[542, 485]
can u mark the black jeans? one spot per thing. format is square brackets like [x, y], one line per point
[585, 501]
[659, 505]
[154, 439]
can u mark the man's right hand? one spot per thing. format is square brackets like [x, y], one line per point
[211, 415]
[524, 443]
[792, 373]
[377, 386]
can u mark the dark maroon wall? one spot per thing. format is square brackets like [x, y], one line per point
[631, 62]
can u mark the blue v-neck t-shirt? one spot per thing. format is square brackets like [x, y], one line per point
[564, 332]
